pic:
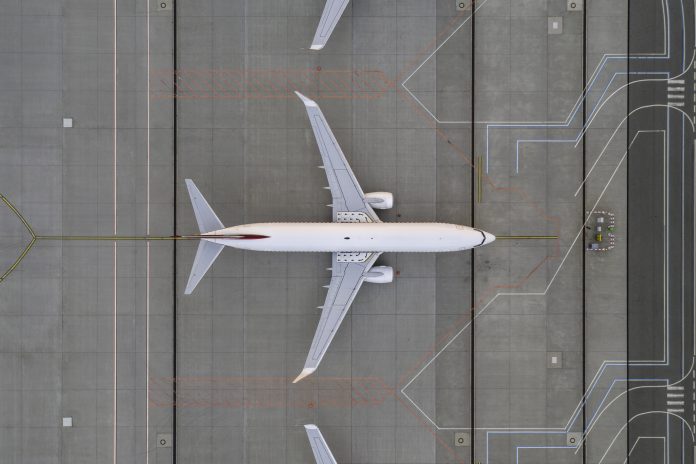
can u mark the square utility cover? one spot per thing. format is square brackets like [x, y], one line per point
[575, 5]
[555, 25]
[462, 439]
[164, 440]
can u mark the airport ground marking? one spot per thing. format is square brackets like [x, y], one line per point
[28, 247]
[664, 54]
[667, 49]
[261, 84]
[636, 416]
[647, 438]
[526, 237]
[604, 364]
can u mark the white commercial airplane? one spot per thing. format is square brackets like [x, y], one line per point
[356, 237]
[329, 18]
[322, 453]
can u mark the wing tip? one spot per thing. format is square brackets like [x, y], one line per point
[311, 427]
[191, 284]
[316, 46]
[307, 371]
[305, 100]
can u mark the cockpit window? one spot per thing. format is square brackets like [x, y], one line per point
[482, 235]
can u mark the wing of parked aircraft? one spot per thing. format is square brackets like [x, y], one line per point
[346, 279]
[348, 270]
[347, 194]
[333, 10]
[322, 453]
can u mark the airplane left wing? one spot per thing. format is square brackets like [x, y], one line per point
[346, 279]
[329, 18]
[322, 453]
[347, 195]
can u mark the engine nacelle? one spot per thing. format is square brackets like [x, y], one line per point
[380, 200]
[380, 275]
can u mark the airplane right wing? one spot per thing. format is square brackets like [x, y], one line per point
[322, 453]
[346, 278]
[329, 18]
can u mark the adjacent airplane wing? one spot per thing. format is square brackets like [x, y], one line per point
[347, 195]
[346, 279]
[322, 453]
[329, 18]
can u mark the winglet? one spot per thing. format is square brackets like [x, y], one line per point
[307, 371]
[306, 101]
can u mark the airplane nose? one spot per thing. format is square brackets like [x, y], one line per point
[490, 238]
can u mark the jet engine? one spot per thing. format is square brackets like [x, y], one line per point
[380, 200]
[380, 275]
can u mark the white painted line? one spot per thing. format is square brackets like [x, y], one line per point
[147, 256]
[636, 443]
[677, 81]
[115, 321]
[625, 425]
[675, 410]
[675, 96]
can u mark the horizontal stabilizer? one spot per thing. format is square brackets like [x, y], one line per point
[205, 216]
[205, 256]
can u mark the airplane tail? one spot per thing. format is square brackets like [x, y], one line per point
[207, 251]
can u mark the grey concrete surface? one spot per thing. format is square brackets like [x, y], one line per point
[67, 301]
[243, 335]
[606, 280]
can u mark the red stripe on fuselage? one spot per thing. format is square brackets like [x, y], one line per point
[237, 236]
[250, 237]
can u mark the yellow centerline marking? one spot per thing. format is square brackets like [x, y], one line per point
[526, 237]
[479, 169]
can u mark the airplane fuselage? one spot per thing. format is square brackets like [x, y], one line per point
[351, 237]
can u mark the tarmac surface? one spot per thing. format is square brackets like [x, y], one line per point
[511, 353]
